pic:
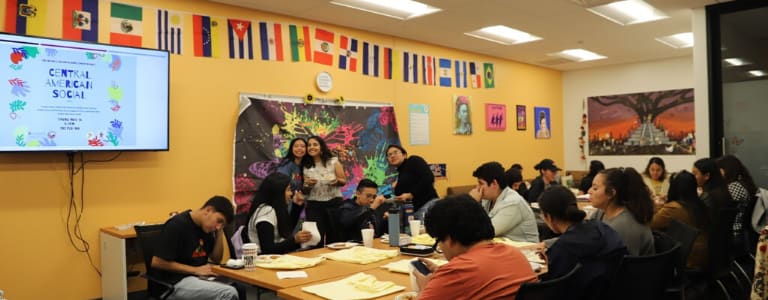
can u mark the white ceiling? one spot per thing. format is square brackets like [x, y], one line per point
[563, 24]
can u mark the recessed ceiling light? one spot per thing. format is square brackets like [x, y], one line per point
[578, 55]
[628, 12]
[680, 40]
[735, 62]
[503, 35]
[398, 9]
[757, 73]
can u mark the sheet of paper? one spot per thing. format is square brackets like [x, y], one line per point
[418, 117]
[312, 228]
[291, 274]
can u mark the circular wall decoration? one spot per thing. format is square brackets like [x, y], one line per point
[324, 82]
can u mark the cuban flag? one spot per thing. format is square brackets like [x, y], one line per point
[240, 39]
[461, 73]
[370, 59]
[271, 39]
[169, 31]
[428, 63]
[348, 54]
[410, 67]
[475, 75]
[445, 72]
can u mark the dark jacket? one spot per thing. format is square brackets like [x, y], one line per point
[594, 245]
[415, 177]
[354, 217]
[537, 187]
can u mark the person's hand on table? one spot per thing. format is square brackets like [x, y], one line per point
[204, 271]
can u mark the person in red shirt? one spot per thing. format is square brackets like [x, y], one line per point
[477, 267]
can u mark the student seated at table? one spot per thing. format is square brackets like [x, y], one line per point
[187, 245]
[511, 216]
[365, 210]
[594, 245]
[270, 225]
[477, 267]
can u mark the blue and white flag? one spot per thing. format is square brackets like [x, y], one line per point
[461, 74]
[169, 35]
[410, 67]
[445, 72]
[370, 59]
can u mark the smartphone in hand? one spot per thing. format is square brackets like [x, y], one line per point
[421, 267]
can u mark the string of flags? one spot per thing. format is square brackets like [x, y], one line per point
[222, 37]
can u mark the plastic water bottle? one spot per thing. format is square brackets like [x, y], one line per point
[407, 216]
[394, 226]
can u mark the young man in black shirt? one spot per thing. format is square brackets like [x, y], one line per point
[365, 210]
[187, 244]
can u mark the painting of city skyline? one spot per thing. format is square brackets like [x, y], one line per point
[656, 123]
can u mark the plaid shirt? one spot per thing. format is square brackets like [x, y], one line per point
[739, 194]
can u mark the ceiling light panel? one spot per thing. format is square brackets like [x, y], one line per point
[735, 62]
[503, 35]
[578, 55]
[680, 40]
[757, 73]
[398, 9]
[628, 12]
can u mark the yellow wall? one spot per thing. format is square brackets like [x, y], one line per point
[204, 95]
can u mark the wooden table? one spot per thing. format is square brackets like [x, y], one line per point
[267, 278]
[295, 293]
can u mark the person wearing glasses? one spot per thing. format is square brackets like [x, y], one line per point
[477, 267]
[415, 181]
[365, 210]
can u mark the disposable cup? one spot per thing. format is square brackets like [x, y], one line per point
[250, 251]
[367, 237]
[415, 227]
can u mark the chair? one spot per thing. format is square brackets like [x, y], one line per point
[552, 289]
[645, 277]
[148, 237]
[685, 235]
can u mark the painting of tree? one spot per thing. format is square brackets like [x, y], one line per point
[659, 122]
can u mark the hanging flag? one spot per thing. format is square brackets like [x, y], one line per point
[28, 17]
[475, 75]
[489, 81]
[445, 72]
[207, 35]
[125, 25]
[370, 59]
[323, 46]
[461, 74]
[271, 37]
[169, 31]
[240, 39]
[429, 69]
[410, 67]
[80, 20]
[348, 54]
[388, 63]
[301, 49]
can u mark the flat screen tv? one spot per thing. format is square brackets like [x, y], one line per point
[75, 96]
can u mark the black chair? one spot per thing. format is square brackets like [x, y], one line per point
[148, 236]
[686, 236]
[551, 289]
[645, 277]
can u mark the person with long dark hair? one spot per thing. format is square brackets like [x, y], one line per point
[626, 206]
[594, 245]
[270, 224]
[743, 190]
[292, 163]
[683, 204]
[323, 177]
[595, 166]
[415, 181]
[656, 178]
[715, 196]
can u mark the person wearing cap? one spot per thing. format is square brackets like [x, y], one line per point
[547, 172]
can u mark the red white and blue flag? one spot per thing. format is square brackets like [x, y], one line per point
[348, 54]
[240, 39]
[271, 38]
[429, 70]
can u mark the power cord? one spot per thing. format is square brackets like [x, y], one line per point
[75, 213]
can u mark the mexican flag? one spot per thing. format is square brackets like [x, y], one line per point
[125, 25]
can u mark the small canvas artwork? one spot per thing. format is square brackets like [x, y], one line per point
[521, 117]
[541, 122]
[438, 170]
[462, 115]
[495, 117]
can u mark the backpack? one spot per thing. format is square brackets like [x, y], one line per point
[760, 212]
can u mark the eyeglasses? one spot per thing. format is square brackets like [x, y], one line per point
[393, 153]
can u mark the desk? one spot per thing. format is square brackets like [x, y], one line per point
[327, 269]
[295, 293]
[114, 281]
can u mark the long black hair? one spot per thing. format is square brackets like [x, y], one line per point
[656, 160]
[289, 157]
[325, 153]
[272, 193]
[734, 170]
[559, 203]
[629, 191]
[682, 189]
[595, 166]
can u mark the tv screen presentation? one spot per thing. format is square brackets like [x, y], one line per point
[74, 96]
